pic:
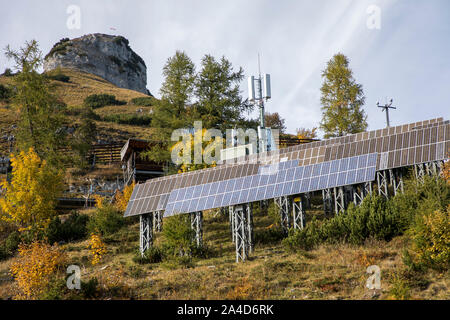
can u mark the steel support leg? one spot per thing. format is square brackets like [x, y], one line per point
[358, 194]
[327, 201]
[250, 234]
[382, 183]
[440, 168]
[298, 212]
[283, 205]
[420, 172]
[396, 180]
[307, 200]
[157, 221]
[367, 188]
[231, 217]
[197, 226]
[339, 204]
[145, 232]
[240, 233]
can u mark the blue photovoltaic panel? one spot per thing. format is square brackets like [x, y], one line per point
[272, 181]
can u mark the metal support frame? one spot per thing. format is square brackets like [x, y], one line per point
[382, 182]
[231, 218]
[339, 204]
[146, 232]
[430, 168]
[197, 226]
[348, 195]
[240, 232]
[307, 199]
[396, 178]
[419, 170]
[358, 194]
[440, 167]
[250, 234]
[433, 168]
[283, 204]
[298, 212]
[327, 196]
[367, 188]
[157, 221]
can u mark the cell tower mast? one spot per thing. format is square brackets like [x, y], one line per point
[261, 101]
[258, 91]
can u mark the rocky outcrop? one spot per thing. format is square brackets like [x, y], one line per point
[109, 57]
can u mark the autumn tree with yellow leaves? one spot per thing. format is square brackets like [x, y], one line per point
[122, 197]
[34, 267]
[446, 172]
[97, 248]
[303, 133]
[31, 196]
[208, 146]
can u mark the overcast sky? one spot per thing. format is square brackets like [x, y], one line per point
[407, 59]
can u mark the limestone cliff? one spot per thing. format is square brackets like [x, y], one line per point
[109, 57]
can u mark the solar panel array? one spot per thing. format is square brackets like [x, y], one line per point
[314, 151]
[399, 146]
[283, 179]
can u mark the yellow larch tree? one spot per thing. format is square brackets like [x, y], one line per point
[31, 196]
[97, 248]
[122, 197]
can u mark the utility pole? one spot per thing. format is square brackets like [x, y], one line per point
[386, 108]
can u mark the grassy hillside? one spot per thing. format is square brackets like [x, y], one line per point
[327, 272]
[79, 86]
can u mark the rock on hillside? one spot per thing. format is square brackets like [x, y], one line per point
[106, 56]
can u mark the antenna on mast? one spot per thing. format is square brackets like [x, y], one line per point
[259, 66]
[258, 91]
[387, 107]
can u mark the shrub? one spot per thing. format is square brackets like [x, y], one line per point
[178, 234]
[89, 289]
[431, 239]
[34, 267]
[151, 255]
[431, 195]
[97, 248]
[384, 219]
[3, 253]
[204, 251]
[143, 101]
[132, 119]
[267, 236]
[8, 72]
[12, 242]
[100, 100]
[74, 228]
[59, 77]
[83, 111]
[272, 212]
[55, 290]
[446, 172]
[399, 289]
[106, 220]
[60, 47]
[5, 92]
[375, 217]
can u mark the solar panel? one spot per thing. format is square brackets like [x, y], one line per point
[408, 144]
[309, 147]
[357, 169]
